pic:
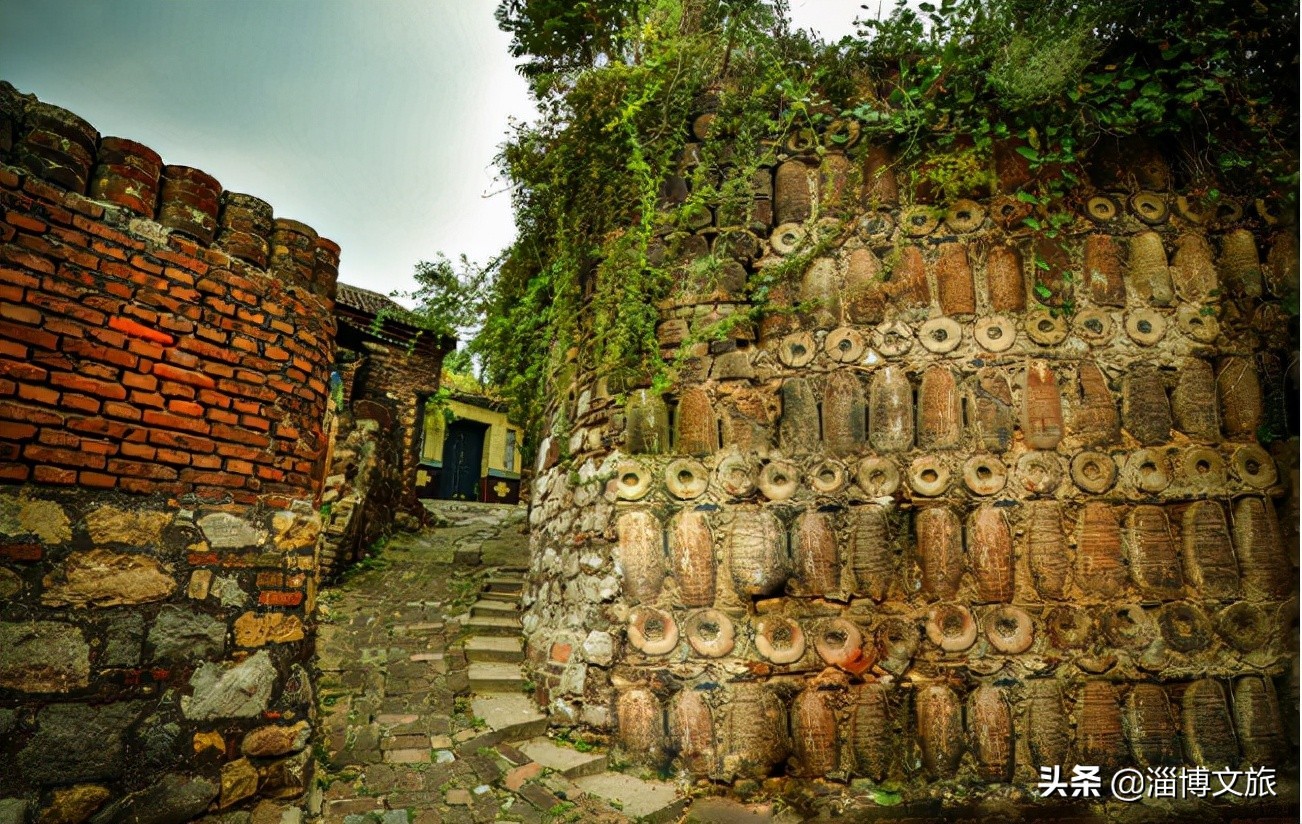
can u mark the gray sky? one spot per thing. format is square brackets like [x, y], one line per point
[374, 121]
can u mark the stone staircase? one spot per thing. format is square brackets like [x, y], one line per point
[546, 774]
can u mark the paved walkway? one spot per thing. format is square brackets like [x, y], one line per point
[423, 710]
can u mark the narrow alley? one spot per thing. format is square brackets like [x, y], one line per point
[425, 715]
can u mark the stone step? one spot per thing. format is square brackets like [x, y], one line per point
[481, 625]
[654, 802]
[567, 761]
[504, 582]
[508, 597]
[495, 649]
[728, 811]
[514, 716]
[495, 677]
[493, 609]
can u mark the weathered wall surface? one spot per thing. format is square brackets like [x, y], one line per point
[165, 349]
[980, 500]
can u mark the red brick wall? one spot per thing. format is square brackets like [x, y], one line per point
[134, 357]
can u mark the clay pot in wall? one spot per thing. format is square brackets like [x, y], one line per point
[1154, 563]
[1209, 738]
[940, 729]
[897, 643]
[710, 633]
[815, 554]
[641, 723]
[1100, 568]
[1207, 553]
[755, 737]
[951, 627]
[990, 725]
[1047, 547]
[1145, 410]
[691, 553]
[647, 430]
[1256, 713]
[990, 548]
[798, 428]
[1094, 420]
[890, 410]
[814, 734]
[779, 640]
[1047, 732]
[652, 631]
[1240, 264]
[1041, 407]
[792, 195]
[1098, 728]
[691, 728]
[871, 559]
[696, 426]
[756, 547]
[1193, 411]
[992, 410]
[1147, 274]
[1005, 284]
[1259, 549]
[840, 644]
[940, 414]
[1103, 271]
[1239, 391]
[940, 552]
[954, 289]
[1150, 727]
[641, 555]
[871, 730]
[845, 414]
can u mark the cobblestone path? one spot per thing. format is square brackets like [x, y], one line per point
[424, 716]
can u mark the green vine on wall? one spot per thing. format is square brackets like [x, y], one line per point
[947, 88]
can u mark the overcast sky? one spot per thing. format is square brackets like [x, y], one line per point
[374, 121]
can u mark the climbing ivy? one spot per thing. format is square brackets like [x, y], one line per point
[946, 86]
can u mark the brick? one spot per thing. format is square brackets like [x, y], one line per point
[150, 399]
[134, 469]
[22, 314]
[145, 349]
[170, 421]
[239, 467]
[40, 394]
[185, 408]
[81, 403]
[23, 371]
[172, 389]
[22, 552]
[137, 450]
[58, 437]
[65, 457]
[212, 478]
[98, 426]
[86, 349]
[137, 381]
[121, 410]
[230, 433]
[25, 334]
[25, 222]
[81, 383]
[174, 456]
[205, 461]
[222, 416]
[139, 330]
[280, 599]
[97, 480]
[13, 431]
[19, 256]
[169, 372]
[189, 443]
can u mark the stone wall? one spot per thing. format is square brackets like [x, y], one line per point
[976, 499]
[165, 349]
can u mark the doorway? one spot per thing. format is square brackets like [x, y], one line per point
[463, 457]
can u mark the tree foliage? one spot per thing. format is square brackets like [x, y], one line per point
[1214, 83]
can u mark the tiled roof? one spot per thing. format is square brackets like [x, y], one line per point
[364, 300]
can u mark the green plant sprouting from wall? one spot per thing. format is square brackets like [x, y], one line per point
[947, 88]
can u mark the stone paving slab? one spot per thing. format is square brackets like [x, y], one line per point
[654, 802]
[402, 645]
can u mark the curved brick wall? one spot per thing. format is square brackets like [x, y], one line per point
[985, 501]
[165, 351]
